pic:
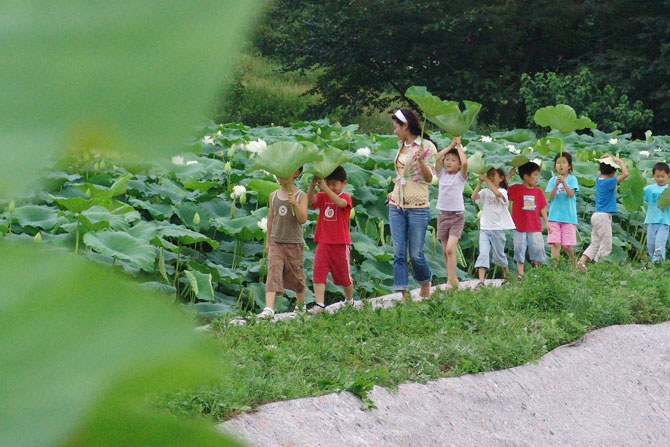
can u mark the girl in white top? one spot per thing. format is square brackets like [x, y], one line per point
[495, 219]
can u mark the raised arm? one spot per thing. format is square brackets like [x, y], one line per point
[464, 160]
[311, 193]
[475, 193]
[337, 200]
[439, 164]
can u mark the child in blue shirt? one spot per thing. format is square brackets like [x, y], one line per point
[601, 219]
[563, 189]
[657, 221]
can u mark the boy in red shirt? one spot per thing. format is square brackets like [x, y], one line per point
[528, 204]
[332, 235]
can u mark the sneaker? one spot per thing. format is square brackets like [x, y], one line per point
[267, 313]
[317, 308]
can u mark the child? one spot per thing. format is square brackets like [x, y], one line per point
[284, 244]
[495, 219]
[601, 219]
[528, 204]
[332, 235]
[562, 189]
[452, 171]
[657, 221]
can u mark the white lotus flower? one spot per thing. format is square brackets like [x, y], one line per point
[256, 147]
[178, 160]
[196, 219]
[263, 224]
[658, 149]
[207, 139]
[238, 190]
[191, 162]
[537, 161]
[218, 132]
[512, 149]
[363, 152]
[486, 139]
[613, 141]
[645, 153]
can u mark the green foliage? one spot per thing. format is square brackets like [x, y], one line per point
[445, 114]
[450, 334]
[611, 109]
[563, 118]
[663, 200]
[331, 159]
[284, 158]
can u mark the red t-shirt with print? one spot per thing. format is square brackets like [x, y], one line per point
[332, 227]
[527, 204]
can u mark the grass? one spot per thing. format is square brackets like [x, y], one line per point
[448, 335]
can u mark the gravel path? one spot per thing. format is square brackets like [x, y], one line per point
[612, 388]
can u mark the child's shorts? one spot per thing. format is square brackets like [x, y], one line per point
[450, 223]
[562, 233]
[531, 240]
[333, 258]
[285, 267]
[491, 242]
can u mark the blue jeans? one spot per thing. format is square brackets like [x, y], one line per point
[491, 241]
[408, 228]
[657, 237]
[533, 241]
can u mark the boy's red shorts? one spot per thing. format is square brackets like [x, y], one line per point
[333, 258]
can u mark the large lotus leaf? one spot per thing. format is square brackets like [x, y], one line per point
[368, 247]
[632, 190]
[264, 189]
[244, 228]
[121, 77]
[213, 310]
[356, 176]
[144, 230]
[36, 216]
[123, 246]
[332, 158]
[446, 115]
[186, 212]
[377, 270]
[563, 118]
[518, 161]
[83, 347]
[118, 188]
[200, 284]
[477, 164]
[74, 204]
[663, 200]
[192, 171]
[549, 144]
[161, 211]
[184, 235]
[168, 190]
[285, 157]
[119, 222]
[516, 136]
[203, 186]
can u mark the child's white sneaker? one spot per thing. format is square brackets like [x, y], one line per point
[317, 308]
[267, 313]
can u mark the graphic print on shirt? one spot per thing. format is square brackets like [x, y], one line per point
[528, 203]
[282, 210]
[560, 189]
[329, 213]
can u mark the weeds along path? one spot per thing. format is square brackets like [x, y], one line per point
[612, 387]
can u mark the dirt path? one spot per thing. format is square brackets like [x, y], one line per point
[610, 389]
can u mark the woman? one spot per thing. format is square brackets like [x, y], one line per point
[408, 202]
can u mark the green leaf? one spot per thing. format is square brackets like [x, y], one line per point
[563, 118]
[184, 235]
[332, 158]
[476, 163]
[244, 228]
[201, 284]
[264, 189]
[632, 190]
[80, 342]
[445, 114]
[123, 246]
[35, 216]
[285, 157]
[549, 144]
[518, 161]
[663, 200]
[74, 204]
[205, 186]
[131, 78]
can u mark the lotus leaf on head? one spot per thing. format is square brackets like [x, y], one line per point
[332, 158]
[563, 118]
[285, 157]
[446, 115]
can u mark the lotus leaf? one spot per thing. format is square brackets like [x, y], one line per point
[201, 284]
[184, 235]
[332, 158]
[563, 118]
[74, 204]
[285, 157]
[663, 200]
[632, 190]
[445, 114]
[549, 144]
[264, 189]
[244, 228]
[123, 246]
[35, 216]
[518, 161]
[476, 163]
[608, 161]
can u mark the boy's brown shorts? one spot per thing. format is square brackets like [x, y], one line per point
[285, 267]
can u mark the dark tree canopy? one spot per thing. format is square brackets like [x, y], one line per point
[473, 49]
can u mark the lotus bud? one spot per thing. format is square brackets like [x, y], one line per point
[272, 124]
[243, 198]
[11, 206]
[103, 165]
[231, 151]
[349, 135]
[87, 156]
[196, 219]
[647, 136]
[96, 166]
[227, 168]
[352, 214]
[434, 181]
[374, 138]
[38, 237]
[88, 192]
[318, 131]
[251, 156]
[389, 179]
